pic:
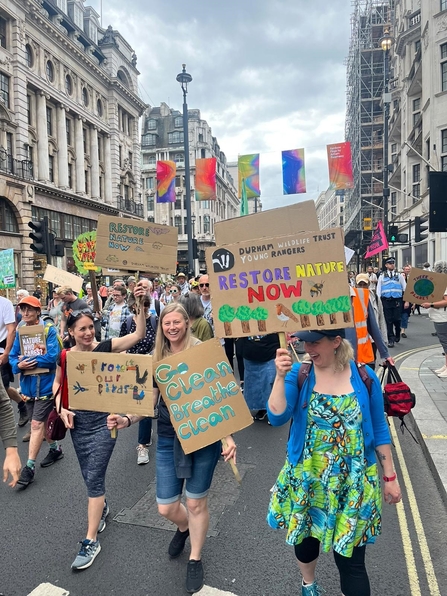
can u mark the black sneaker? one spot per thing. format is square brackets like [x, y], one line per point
[26, 476]
[391, 344]
[52, 457]
[404, 335]
[177, 544]
[23, 417]
[194, 576]
[397, 340]
[260, 415]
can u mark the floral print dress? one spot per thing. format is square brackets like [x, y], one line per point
[332, 493]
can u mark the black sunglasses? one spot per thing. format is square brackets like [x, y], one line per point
[204, 285]
[77, 314]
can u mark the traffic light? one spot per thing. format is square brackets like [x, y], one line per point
[393, 231]
[195, 250]
[39, 236]
[420, 230]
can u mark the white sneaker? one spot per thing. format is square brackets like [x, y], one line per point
[441, 370]
[443, 375]
[143, 455]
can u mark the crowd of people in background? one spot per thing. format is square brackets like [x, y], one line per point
[166, 316]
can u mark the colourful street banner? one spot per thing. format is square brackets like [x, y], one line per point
[166, 182]
[7, 269]
[293, 172]
[340, 166]
[244, 200]
[379, 242]
[205, 183]
[248, 168]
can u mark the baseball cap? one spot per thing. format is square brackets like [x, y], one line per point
[311, 336]
[362, 277]
[31, 301]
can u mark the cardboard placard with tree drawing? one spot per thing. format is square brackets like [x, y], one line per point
[105, 382]
[203, 399]
[285, 283]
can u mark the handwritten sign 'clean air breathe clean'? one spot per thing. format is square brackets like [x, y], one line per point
[204, 401]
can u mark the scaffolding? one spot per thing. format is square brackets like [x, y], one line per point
[364, 111]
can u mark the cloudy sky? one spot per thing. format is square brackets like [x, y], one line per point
[268, 75]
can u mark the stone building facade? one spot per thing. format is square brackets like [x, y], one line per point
[162, 139]
[69, 135]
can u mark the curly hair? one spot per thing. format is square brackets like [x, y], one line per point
[440, 267]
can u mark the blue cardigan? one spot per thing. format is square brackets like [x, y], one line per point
[374, 425]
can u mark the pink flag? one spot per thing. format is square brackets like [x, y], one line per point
[379, 242]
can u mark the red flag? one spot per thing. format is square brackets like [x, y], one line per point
[379, 242]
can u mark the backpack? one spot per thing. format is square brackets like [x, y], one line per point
[47, 326]
[154, 321]
[306, 366]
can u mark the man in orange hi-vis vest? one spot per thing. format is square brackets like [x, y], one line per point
[367, 329]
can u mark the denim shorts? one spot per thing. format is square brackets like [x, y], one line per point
[169, 487]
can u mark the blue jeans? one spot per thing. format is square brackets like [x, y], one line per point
[169, 487]
[144, 431]
[404, 320]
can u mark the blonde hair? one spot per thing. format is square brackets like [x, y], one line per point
[343, 354]
[162, 344]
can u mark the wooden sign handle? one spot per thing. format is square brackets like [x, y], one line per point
[232, 464]
[282, 340]
[94, 287]
[113, 431]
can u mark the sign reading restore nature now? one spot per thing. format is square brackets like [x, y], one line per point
[203, 399]
[136, 245]
[105, 382]
[285, 283]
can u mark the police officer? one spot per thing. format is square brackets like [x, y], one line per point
[390, 289]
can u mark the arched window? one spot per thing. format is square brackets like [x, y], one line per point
[8, 221]
[122, 78]
[99, 108]
[29, 55]
[85, 96]
[50, 71]
[68, 85]
[179, 158]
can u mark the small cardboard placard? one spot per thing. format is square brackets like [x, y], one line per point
[105, 382]
[281, 284]
[203, 399]
[32, 344]
[273, 222]
[136, 245]
[63, 278]
[425, 286]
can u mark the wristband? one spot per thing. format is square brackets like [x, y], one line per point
[130, 421]
[390, 478]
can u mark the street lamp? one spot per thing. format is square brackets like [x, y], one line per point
[385, 43]
[184, 78]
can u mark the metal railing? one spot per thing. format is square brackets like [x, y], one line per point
[20, 168]
[130, 206]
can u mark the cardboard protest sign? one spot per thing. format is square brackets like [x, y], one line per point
[285, 283]
[105, 382]
[203, 399]
[136, 245]
[425, 286]
[7, 269]
[63, 278]
[273, 222]
[84, 253]
[32, 344]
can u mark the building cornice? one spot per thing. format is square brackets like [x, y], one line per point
[75, 199]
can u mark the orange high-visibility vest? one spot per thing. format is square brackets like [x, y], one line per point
[364, 346]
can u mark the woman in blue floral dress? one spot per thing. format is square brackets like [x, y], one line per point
[328, 494]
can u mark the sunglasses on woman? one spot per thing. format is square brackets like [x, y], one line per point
[77, 314]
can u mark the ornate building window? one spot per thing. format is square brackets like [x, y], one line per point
[68, 85]
[8, 221]
[29, 55]
[85, 96]
[50, 71]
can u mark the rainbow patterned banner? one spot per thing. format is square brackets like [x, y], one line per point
[340, 166]
[293, 172]
[206, 179]
[166, 182]
[248, 167]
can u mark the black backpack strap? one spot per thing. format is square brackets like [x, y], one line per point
[303, 373]
[129, 322]
[157, 307]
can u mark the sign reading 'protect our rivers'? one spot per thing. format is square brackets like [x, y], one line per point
[286, 283]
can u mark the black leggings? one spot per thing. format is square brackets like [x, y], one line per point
[353, 576]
